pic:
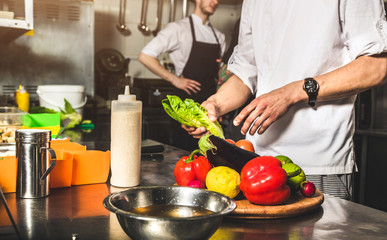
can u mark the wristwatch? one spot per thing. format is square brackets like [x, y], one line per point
[311, 88]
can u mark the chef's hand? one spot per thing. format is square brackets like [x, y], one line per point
[188, 85]
[212, 112]
[260, 113]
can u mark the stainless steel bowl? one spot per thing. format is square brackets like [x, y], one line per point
[177, 224]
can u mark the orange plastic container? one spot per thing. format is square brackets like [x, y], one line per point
[62, 173]
[8, 172]
[91, 166]
[66, 145]
[62, 140]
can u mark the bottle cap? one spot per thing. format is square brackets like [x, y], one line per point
[21, 89]
[127, 96]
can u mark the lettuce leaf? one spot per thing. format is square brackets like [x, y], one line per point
[190, 113]
[69, 112]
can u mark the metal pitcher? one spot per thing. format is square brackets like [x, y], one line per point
[33, 162]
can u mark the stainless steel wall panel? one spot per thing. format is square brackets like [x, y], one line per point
[60, 50]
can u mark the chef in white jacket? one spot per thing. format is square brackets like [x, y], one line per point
[304, 61]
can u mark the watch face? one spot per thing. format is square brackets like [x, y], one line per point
[311, 86]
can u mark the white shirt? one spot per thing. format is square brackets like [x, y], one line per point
[285, 41]
[176, 39]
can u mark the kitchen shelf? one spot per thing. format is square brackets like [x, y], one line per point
[10, 29]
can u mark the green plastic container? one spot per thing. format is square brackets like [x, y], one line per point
[49, 121]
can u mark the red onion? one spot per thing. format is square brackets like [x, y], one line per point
[308, 189]
[196, 184]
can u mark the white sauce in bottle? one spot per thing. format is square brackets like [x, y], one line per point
[126, 115]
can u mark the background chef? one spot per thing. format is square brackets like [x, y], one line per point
[195, 48]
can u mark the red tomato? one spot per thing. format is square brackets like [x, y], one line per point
[230, 140]
[245, 144]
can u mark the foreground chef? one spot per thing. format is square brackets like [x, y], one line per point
[305, 61]
[195, 47]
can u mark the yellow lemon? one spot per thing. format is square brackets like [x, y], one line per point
[223, 180]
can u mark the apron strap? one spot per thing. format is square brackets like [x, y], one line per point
[216, 37]
[192, 28]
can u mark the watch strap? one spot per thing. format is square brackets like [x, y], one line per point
[312, 100]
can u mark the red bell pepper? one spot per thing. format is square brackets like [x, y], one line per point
[263, 181]
[191, 167]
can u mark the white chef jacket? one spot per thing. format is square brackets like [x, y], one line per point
[176, 40]
[284, 41]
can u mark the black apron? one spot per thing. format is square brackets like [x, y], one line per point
[202, 66]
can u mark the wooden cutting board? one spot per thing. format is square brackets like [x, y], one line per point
[296, 205]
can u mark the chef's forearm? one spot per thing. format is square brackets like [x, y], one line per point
[231, 95]
[358, 76]
[362, 74]
[154, 66]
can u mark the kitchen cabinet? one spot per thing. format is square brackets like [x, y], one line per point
[12, 28]
[370, 141]
[156, 124]
[371, 155]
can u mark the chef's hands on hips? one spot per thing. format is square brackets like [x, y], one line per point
[213, 116]
[188, 85]
[260, 113]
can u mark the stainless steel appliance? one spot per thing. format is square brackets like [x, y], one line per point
[156, 124]
[111, 73]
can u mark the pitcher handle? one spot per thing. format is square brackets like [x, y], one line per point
[52, 164]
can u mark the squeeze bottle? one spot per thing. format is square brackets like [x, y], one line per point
[125, 146]
[22, 99]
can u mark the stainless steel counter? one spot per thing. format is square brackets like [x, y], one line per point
[79, 210]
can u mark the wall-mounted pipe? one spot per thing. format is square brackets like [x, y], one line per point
[143, 26]
[158, 18]
[171, 11]
[185, 8]
[121, 25]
